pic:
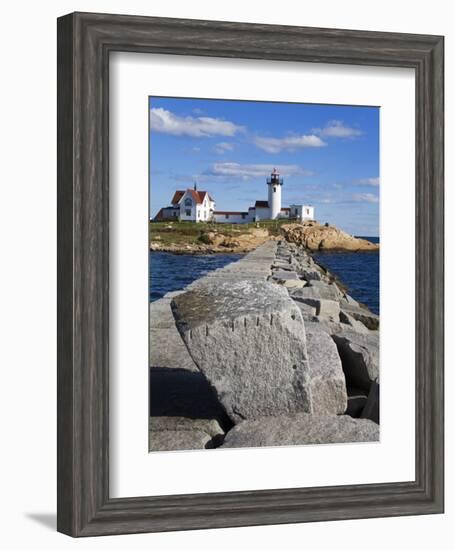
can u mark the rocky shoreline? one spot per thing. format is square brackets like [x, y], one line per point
[310, 234]
[315, 236]
[266, 351]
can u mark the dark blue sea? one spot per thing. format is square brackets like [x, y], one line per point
[169, 272]
[359, 271]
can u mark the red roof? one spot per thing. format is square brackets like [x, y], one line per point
[198, 196]
[261, 204]
[160, 215]
[177, 196]
[285, 210]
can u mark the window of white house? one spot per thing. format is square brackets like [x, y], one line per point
[307, 210]
[243, 215]
[188, 212]
[226, 216]
[198, 213]
[188, 202]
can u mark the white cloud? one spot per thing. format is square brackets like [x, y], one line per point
[368, 181]
[289, 143]
[247, 171]
[223, 147]
[166, 122]
[365, 197]
[327, 201]
[336, 128]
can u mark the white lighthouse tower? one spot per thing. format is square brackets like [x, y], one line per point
[274, 183]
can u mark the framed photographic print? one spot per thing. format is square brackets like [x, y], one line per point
[250, 278]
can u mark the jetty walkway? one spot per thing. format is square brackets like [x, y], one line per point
[268, 350]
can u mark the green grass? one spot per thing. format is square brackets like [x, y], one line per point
[189, 232]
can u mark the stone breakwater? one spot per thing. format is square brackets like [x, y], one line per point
[266, 351]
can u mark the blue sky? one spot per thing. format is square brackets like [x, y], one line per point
[328, 156]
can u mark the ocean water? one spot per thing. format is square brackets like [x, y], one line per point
[359, 271]
[169, 272]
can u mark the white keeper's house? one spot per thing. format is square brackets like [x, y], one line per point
[190, 205]
[199, 206]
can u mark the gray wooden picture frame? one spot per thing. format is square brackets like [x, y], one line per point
[85, 41]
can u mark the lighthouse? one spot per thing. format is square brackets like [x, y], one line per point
[274, 183]
[199, 206]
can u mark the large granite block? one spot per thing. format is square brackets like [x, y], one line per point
[326, 309]
[360, 357]
[281, 276]
[369, 319]
[328, 383]
[300, 429]
[179, 440]
[171, 433]
[322, 291]
[355, 325]
[248, 339]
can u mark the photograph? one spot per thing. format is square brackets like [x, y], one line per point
[264, 273]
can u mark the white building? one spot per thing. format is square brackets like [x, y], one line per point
[301, 212]
[224, 216]
[189, 205]
[198, 206]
